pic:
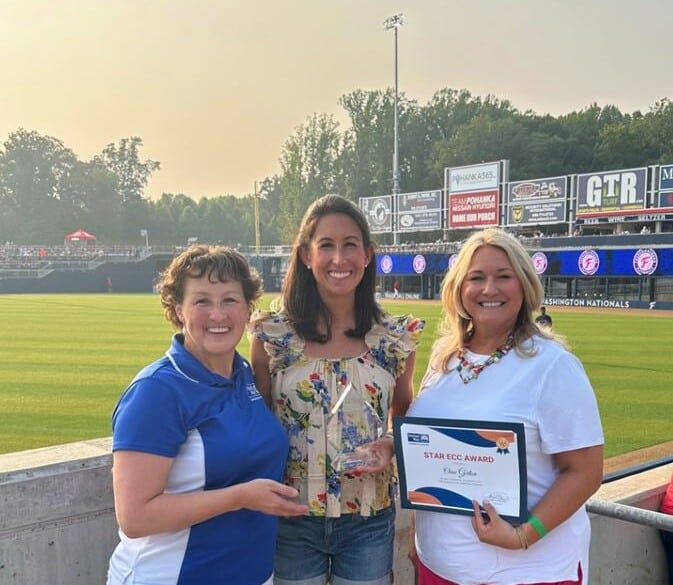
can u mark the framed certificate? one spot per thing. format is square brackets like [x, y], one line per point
[444, 464]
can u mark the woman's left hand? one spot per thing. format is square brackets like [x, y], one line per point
[494, 530]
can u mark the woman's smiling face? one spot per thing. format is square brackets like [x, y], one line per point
[491, 292]
[336, 255]
[213, 316]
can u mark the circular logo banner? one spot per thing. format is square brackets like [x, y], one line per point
[419, 264]
[386, 264]
[645, 261]
[540, 262]
[588, 262]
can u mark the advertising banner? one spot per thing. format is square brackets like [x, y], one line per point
[666, 178]
[648, 216]
[665, 199]
[612, 191]
[479, 177]
[412, 264]
[478, 209]
[473, 195]
[644, 261]
[537, 201]
[379, 213]
[421, 211]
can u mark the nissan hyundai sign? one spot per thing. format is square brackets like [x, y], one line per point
[474, 195]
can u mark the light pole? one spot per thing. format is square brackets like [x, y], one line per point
[143, 232]
[395, 22]
[256, 200]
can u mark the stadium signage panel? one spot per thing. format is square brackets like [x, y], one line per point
[665, 194]
[610, 262]
[379, 213]
[621, 190]
[606, 303]
[540, 262]
[474, 195]
[480, 177]
[666, 178]
[592, 303]
[645, 261]
[386, 264]
[666, 200]
[412, 264]
[641, 217]
[478, 209]
[421, 211]
[536, 201]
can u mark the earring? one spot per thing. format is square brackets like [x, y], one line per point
[308, 267]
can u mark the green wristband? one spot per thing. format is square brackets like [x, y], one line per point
[536, 523]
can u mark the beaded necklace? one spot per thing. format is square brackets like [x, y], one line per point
[469, 371]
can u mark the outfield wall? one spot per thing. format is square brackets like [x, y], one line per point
[57, 522]
[126, 277]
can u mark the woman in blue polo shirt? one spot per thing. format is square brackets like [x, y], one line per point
[197, 456]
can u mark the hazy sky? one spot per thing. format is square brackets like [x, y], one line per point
[215, 87]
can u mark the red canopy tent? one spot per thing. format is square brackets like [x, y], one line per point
[80, 236]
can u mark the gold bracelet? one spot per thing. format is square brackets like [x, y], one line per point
[523, 539]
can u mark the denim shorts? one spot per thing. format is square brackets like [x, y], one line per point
[349, 550]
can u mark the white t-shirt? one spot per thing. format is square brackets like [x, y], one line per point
[551, 395]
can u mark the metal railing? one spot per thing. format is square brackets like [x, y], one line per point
[632, 514]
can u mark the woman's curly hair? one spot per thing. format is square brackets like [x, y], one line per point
[219, 263]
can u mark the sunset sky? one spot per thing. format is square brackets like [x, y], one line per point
[215, 87]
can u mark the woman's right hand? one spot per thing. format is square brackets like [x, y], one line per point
[271, 497]
[492, 529]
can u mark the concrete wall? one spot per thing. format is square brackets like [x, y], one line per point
[57, 522]
[623, 553]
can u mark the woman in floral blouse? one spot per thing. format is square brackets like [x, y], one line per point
[335, 367]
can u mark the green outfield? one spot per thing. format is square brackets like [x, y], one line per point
[67, 358]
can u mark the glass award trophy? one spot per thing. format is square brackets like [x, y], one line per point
[351, 426]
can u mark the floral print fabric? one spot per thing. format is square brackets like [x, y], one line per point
[308, 398]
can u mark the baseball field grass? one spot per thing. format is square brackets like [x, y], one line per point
[67, 358]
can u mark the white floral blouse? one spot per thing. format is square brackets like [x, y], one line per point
[306, 395]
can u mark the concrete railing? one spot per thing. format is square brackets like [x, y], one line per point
[57, 524]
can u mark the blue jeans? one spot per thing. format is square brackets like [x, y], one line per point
[349, 550]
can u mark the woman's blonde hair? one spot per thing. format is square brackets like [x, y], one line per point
[456, 326]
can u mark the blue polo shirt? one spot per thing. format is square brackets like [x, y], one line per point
[220, 433]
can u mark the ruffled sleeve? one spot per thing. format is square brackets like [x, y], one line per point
[392, 340]
[281, 342]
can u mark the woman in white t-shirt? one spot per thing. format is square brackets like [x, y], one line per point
[492, 363]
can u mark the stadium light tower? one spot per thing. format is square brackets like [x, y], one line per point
[395, 22]
[256, 208]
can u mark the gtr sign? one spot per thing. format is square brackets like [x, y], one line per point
[611, 191]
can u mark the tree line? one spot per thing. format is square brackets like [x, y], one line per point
[46, 191]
